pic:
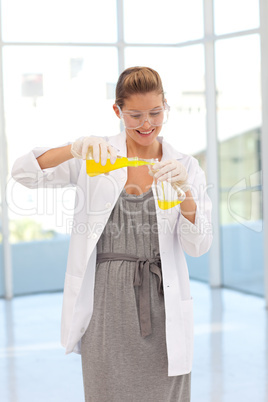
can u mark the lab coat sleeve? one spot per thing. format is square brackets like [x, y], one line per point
[27, 171]
[196, 238]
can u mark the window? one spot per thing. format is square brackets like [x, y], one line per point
[61, 62]
[59, 21]
[236, 15]
[57, 95]
[155, 21]
[239, 128]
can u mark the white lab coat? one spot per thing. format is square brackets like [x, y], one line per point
[95, 199]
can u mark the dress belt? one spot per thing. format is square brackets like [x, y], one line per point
[142, 279]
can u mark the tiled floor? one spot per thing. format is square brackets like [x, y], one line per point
[230, 357]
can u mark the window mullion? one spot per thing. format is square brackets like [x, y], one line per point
[3, 182]
[212, 144]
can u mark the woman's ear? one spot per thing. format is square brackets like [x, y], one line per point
[116, 110]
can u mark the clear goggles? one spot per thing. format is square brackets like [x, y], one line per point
[136, 118]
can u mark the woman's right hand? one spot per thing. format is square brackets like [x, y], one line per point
[99, 146]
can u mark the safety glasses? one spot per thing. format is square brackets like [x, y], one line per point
[134, 119]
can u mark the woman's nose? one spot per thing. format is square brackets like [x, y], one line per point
[146, 125]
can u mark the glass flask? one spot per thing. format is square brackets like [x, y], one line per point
[94, 169]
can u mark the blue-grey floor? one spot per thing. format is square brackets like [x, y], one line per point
[230, 356]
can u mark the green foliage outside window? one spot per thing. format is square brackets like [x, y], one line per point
[27, 230]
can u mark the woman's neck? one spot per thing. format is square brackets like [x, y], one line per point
[152, 151]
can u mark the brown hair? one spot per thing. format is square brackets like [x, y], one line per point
[135, 80]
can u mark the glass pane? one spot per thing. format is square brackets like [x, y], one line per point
[236, 15]
[59, 21]
[239, 126]
[58, 94]
[238, 85]
[52, 96]
[182, 73]
[155, 21]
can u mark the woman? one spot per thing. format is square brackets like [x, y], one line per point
[127, 306]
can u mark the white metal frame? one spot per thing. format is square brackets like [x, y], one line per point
[120, 35]
[264, 131]
[212, 144]
[208, 41]
[3, 181]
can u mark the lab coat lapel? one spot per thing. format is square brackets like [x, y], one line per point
[119, 142]
[167, 221]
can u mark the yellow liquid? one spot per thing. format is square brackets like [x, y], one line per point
[167, 204]
[94, 169]
[164, 204]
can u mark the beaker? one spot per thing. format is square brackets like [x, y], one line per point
[168, 196]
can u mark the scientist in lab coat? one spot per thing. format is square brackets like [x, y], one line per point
[182, 229]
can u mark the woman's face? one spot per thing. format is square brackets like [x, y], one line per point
[146, 134]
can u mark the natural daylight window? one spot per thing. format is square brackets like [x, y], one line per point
[59, 21]
[152, 21]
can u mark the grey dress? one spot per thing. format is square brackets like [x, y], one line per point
[123, 350]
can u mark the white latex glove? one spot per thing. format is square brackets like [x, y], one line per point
[172, 171]
[101, 149]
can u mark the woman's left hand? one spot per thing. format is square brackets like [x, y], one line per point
[172, 171]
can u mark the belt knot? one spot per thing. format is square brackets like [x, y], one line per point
[144, 266]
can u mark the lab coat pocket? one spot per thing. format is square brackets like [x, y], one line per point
[72, 287]
[188, 318]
